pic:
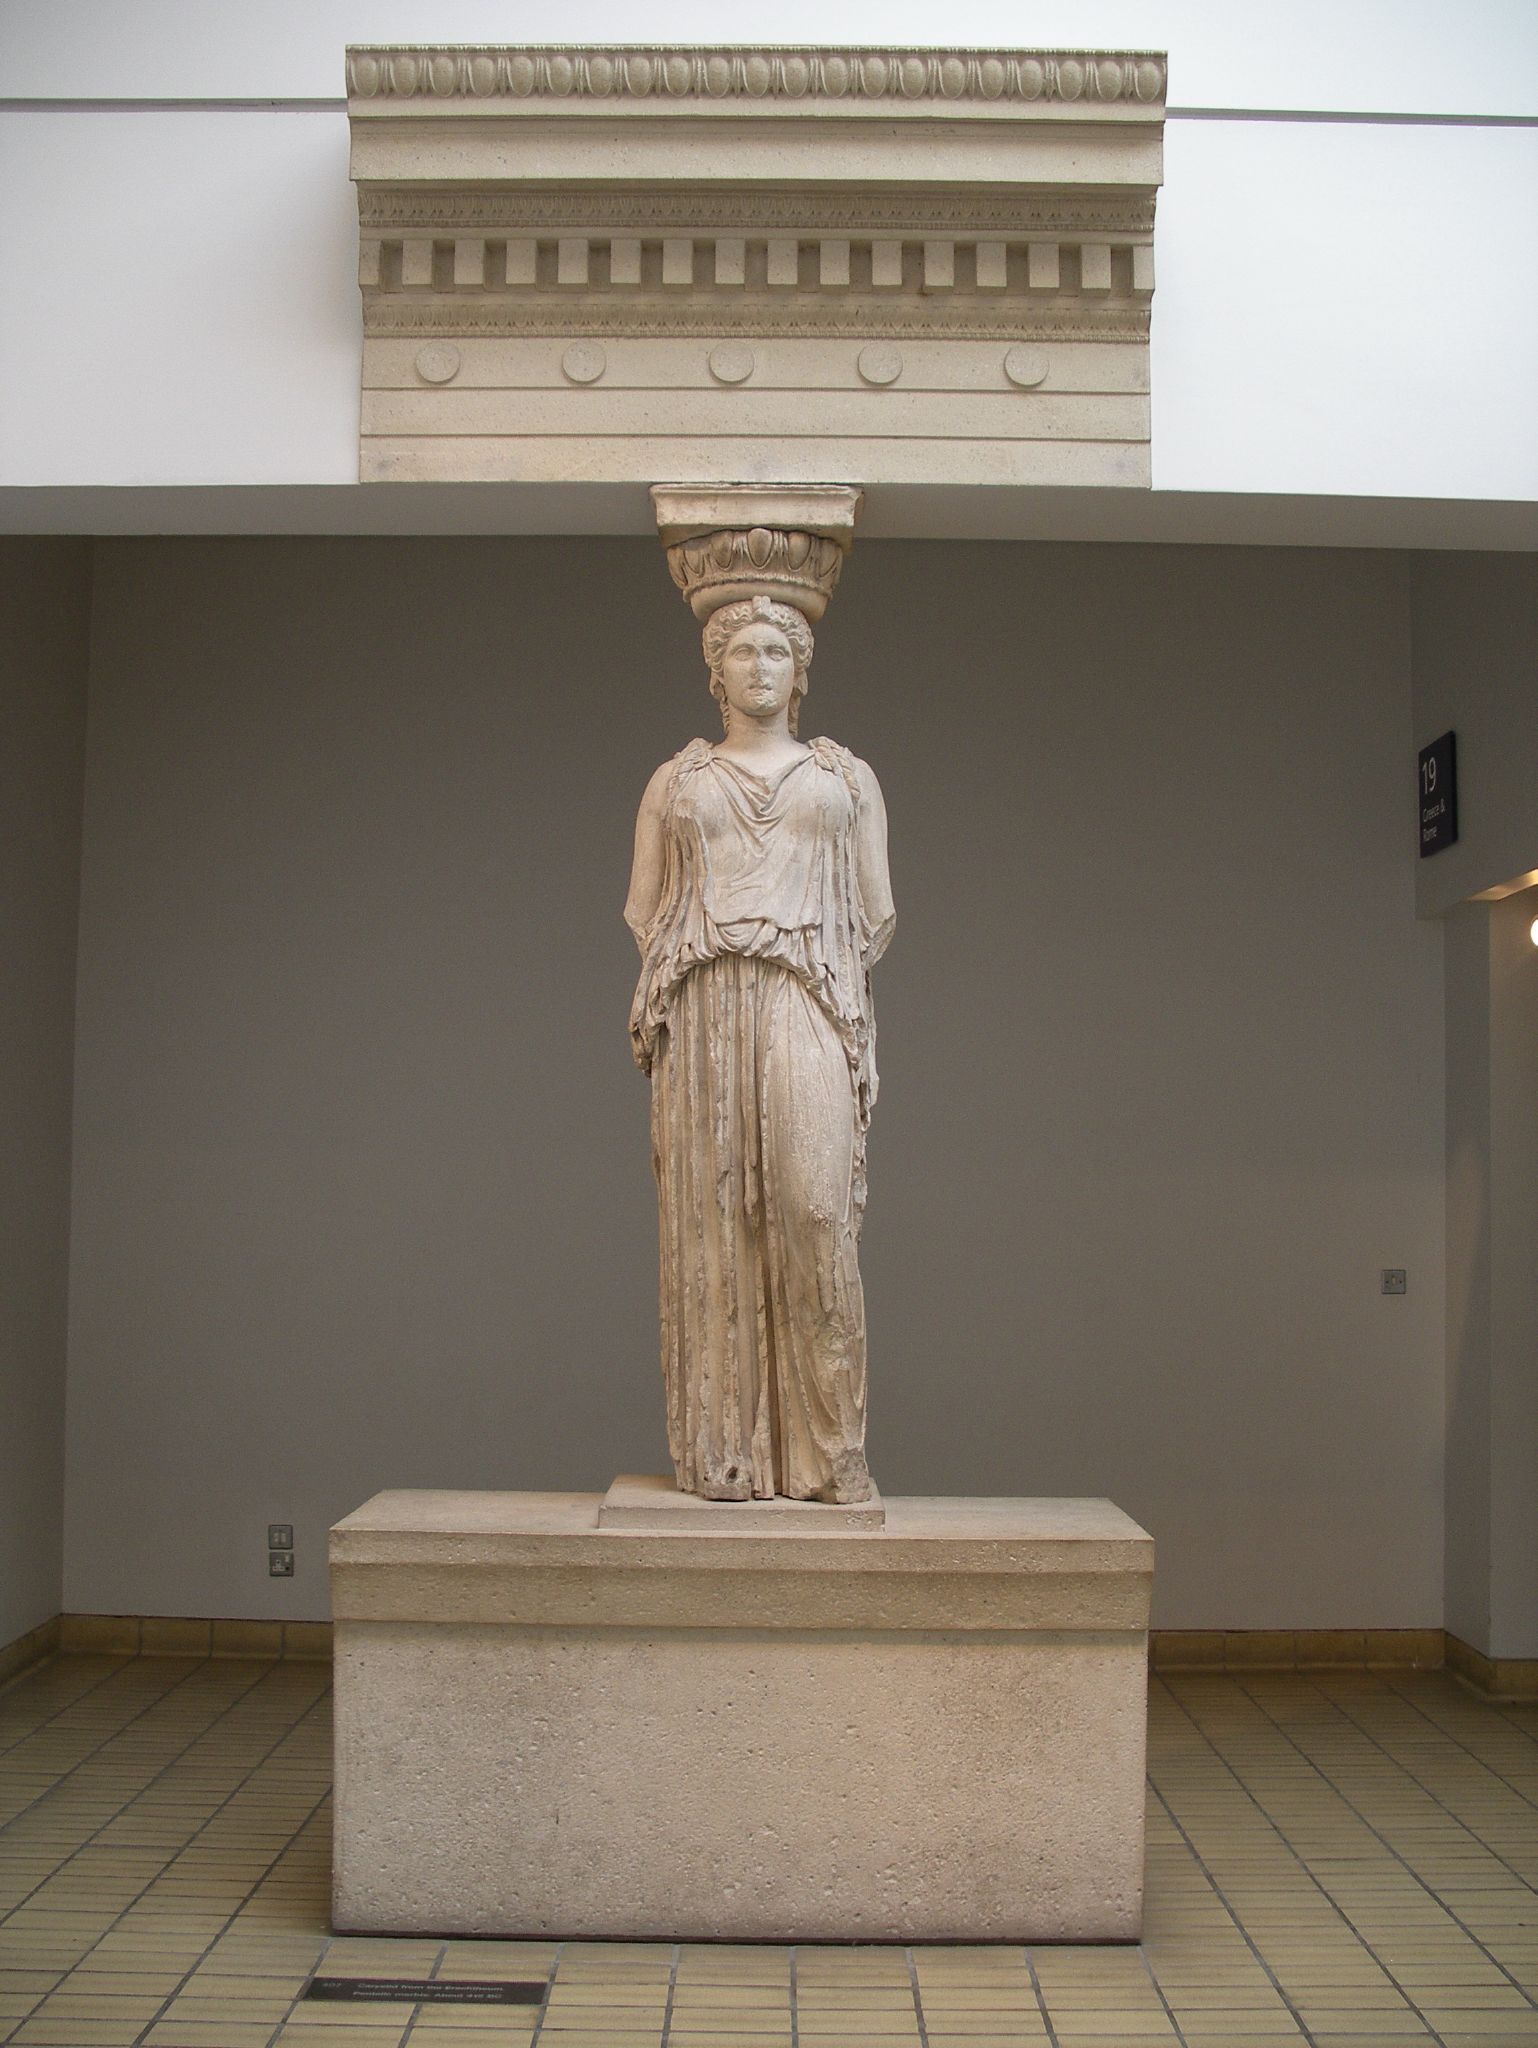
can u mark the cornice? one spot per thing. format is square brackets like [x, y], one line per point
[870, 264]
[433, 76]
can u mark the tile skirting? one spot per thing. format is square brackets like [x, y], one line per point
[1170, 1649]
[1496, 1678]
[1300, 1649]
[35, 1647]
[1343, 1649]
[159, 1635]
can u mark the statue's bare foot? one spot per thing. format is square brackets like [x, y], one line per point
[729, 1485]
[850, 1482]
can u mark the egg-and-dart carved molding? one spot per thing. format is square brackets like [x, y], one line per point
[624, 72]
[389, 319]
[690, 211]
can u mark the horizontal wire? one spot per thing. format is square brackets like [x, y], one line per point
[1337, 116]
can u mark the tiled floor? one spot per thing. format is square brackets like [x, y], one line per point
[1343, 1859]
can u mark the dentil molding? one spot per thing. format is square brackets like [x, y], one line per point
[811, 265]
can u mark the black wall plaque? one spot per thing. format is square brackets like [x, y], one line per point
[426, 1990]
[1438, 789]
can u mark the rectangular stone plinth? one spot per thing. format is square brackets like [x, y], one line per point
[930, 1730]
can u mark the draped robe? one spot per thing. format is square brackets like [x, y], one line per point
[753, 1018]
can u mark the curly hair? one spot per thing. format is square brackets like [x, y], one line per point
[722, 626]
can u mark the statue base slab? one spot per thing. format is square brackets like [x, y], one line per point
[651, 1502]
[930, 1731]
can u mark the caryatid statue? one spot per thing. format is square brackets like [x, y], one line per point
[760, 900]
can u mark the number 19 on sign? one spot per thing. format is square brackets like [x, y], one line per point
[1438, 794]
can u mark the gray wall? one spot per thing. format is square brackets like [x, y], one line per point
[362, 1194]
[1474, 622]
[44, 616]
[1514, 1278]
[1474, 629]
[1467, 1581]
[1492, 1284]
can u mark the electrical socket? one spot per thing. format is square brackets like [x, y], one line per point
[280, 1564]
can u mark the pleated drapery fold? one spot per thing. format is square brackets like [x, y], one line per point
[753, 1018]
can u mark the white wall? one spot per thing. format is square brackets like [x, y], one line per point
[1341, 308]
[44, 617]
[1347, 309]
[362, 1194]
[1422, 55]
[225, 346]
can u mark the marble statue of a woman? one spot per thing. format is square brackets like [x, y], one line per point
[760, 901]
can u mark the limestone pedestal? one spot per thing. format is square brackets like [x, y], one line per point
[929, 1728]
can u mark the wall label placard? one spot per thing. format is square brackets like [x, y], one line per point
[426, 1990]
[1438, 794]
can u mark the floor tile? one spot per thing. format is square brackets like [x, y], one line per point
[1346, 1841]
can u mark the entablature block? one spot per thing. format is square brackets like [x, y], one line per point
[815, 264]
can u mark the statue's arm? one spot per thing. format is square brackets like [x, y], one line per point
[647, 868]
[871, 863]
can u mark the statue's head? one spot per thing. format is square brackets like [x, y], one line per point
[723, 627]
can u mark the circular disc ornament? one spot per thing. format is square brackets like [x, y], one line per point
[731, 364]
[438, 362]
[1026, 367]
[880, 363]
[584, 362]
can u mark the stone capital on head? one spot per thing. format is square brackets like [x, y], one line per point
[728, 544]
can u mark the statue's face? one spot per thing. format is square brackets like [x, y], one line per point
[758, 670]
